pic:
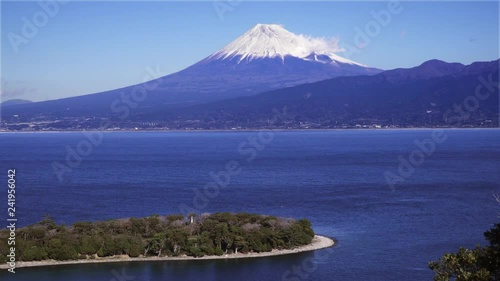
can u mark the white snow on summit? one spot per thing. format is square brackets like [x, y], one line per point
[272, 40]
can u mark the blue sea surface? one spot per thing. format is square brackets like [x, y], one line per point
[334, 178]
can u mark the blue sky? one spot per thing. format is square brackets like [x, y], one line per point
[88, 47]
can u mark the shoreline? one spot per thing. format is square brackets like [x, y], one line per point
[253, 130]
[318, 242]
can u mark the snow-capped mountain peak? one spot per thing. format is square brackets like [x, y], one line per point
[272, 40]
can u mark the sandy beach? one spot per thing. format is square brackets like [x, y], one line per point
[319, 242]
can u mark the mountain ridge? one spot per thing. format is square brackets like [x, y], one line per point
[417, 96]
[214, 79]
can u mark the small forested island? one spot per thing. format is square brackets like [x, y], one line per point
[192, 236]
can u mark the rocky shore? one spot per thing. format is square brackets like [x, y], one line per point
[318, 242]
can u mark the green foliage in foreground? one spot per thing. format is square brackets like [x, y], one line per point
[173, 235]
[479, 264]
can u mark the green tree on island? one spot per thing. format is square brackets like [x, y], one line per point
[172, 235]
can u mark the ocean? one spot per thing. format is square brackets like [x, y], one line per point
[394, 199]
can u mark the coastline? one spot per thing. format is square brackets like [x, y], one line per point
[319, 242]
[255, 130]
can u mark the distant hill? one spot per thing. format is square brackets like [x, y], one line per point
[433, 94]
[14, 102]
[418, 96]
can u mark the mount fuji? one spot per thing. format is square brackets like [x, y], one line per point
[267, 57]
[264, 58]
[272, 40]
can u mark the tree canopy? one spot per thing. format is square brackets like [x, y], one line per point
[171, 235]
[478, 264]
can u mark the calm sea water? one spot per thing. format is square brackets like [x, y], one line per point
[334, 178]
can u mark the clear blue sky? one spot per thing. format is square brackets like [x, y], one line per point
[89, 47]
